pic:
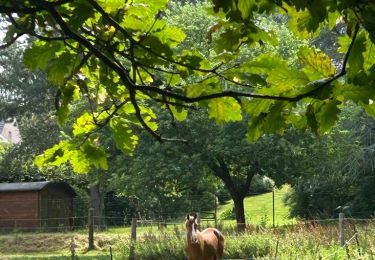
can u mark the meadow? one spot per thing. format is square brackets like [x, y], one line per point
[290, 239]
[298, 241]
[258, 209]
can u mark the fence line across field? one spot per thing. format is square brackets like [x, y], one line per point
[27, 219]
[92, 225]
[157, 221]
[45, 228]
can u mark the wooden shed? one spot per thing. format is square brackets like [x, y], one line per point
[36, 205]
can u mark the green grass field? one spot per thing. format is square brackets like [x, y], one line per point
[299, 241]
[258, 208]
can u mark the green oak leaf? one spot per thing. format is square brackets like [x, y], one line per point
[254, 130]
[281, 77]
[54, 155]
[356, 93]
[95, 155]
[83, 125]
[356, 59]
[123, 135]
[179, 113]
[316, 64]
[61, 67]
[274, 121]
[255, 107]
[40, 53]
[327, 115]
[112, 6]
[209, 86]
[79, 162]
[302, 23]
[246, 7]
[224, 109]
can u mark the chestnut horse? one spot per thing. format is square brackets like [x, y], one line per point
[205, 245]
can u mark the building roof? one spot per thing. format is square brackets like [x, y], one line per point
[32, 186]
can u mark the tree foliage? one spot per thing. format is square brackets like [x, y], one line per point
[127, 60]
[29, 97]
[212, 156]
[338, 170]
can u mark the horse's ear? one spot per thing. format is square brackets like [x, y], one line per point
[195, 215]
[187, 216]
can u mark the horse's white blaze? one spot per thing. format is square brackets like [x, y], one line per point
[193, 237]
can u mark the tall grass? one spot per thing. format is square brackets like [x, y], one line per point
[314, 240]
[299, 241]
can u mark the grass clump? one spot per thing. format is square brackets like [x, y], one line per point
[247, 245]
[150, 247]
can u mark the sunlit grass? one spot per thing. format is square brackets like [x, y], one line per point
[258, 209]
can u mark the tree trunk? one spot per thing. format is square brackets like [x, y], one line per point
[97, 204]
[239, 210]
[237, 192]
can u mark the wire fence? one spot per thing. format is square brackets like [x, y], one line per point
[356, 231]
[62, 215]
[35, 214]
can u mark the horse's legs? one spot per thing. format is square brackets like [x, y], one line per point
[220, 245]
[220, 251]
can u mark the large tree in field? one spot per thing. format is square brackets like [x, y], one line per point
[224, 151]
[126, 60]
[178, 171]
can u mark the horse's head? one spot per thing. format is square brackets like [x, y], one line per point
[191, 226]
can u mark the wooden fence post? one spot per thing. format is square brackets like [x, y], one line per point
[215, 211]
[134, 229]
[91, 229]
[198, 220]
[341, 229]
[273, 207]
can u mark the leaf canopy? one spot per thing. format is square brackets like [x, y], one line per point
[129, 62]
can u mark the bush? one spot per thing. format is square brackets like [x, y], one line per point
[320, 197]
[227, 214]
[223, 195]
[261, 184]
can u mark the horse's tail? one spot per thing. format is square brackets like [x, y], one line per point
[220, 246]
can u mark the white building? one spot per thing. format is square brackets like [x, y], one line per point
[9, 132]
